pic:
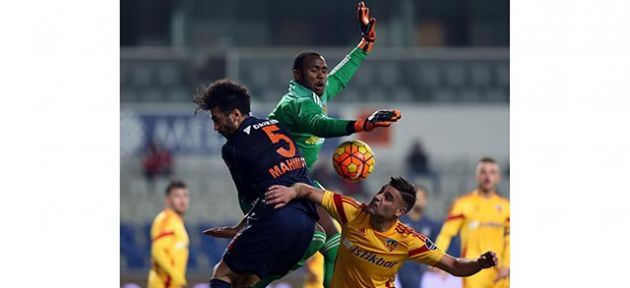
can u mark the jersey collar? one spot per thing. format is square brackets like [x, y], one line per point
[300, 90]
[172, 212]
[247, 121]
[478, 195]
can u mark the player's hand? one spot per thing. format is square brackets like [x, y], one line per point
[221, 232]
[380, 118]
[503, 273]
[279, 195]
[368, 24]
[487, 260]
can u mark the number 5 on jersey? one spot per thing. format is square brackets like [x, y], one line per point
[277, 137]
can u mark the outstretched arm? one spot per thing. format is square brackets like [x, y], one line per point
[279, 196]
[226, 231]
[319, 124]
[343, 72]
[462, 267]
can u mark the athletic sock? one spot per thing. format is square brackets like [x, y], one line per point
[330, 256]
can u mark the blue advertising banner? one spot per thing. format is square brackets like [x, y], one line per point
[179, 132]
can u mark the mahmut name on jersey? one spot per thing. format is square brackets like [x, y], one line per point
[286, 166]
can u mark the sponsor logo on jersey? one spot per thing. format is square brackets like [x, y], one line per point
[264, 123]
[430, 244]
[180, 245]
[314, 140]
[478, 224]
[368, 256]
[391, 244]
[246, 130]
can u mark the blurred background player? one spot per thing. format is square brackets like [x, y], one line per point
[303, 110]
[482, 218]
[375, 242]
[169, 240]
[258, 154]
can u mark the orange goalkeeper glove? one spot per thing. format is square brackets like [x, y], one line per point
[367, 27]
[380, 118]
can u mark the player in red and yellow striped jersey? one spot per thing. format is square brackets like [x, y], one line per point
[374, 242]
[169, 240]
[482, 218]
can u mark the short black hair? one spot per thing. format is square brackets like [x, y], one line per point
[406, 189]
[298, 63]
[225, 94]
[174, 185]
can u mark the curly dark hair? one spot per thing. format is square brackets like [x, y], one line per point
[407, 190]
[225, 94]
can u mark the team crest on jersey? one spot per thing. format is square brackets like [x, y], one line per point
[499, 207]
[391, 244]
[429, 244]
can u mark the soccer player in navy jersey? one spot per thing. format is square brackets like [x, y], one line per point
[259, 153]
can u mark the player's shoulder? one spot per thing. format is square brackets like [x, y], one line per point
[407, 233]
[162, 219]
[253, 124]
[161, 216]
[503, 199]
[468, 196]
[345, 200]
[351, 201]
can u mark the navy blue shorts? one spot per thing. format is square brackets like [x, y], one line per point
[271, 245]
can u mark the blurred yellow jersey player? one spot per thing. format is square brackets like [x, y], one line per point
[374, 242]
[169, 240]
[482, 218]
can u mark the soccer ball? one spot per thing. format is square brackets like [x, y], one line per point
[353, 160]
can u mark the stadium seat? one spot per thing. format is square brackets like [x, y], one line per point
[468, 94]
[260, 75]
[428, 75]
[444, 95]
[502, 72]
[454, 75]
[142, 74]
[480, 74]
[168, 74]
[389, 74]
[130, 249]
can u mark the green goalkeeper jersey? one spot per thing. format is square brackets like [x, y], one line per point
[303, 112]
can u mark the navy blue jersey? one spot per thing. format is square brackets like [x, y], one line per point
[260, 154]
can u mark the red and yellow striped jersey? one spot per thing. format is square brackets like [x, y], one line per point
[483, 224]
[169, 250]
[369, 258]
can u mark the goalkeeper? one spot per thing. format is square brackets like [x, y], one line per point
[302, 110]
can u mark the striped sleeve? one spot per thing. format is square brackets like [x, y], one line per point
[343, 208]
[162, 228]
[422, 250]
[343, 72]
